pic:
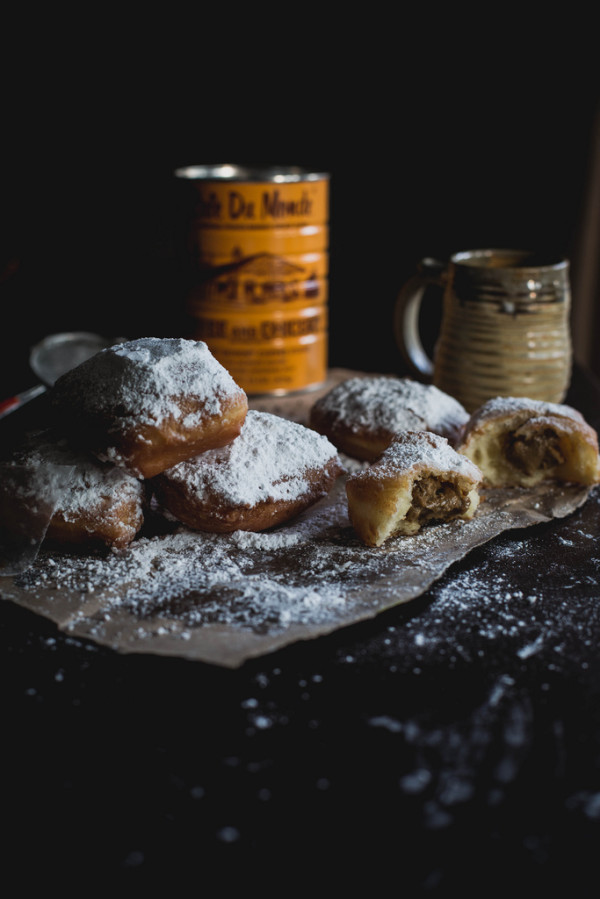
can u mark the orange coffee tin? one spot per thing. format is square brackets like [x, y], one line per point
[258, 243]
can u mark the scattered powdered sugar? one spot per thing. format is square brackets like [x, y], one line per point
[480, 610]
[244, 579]
[260, 540]
[269, 460]
[444, 762]
[512, 620]
[147, 379]
[393, 404]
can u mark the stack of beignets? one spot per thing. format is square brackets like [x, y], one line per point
[164, 414]
[362, 415]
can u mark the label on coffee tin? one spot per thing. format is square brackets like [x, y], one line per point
[269, 351]
[259, 244]
[261, 204]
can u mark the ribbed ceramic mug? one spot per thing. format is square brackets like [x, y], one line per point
[504, 329]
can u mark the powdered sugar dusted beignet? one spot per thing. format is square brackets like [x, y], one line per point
[517, 441]
[97, 503]
[273, 471]
[361, 415]
[419, 480]
[147, 404]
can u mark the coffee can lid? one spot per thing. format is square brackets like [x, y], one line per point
[229, 172]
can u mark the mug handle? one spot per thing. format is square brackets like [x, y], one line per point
[406, 315]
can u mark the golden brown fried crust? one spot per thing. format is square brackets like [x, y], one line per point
[90, 503]
[363, 414]
[213, 513]
[366, 444]
[147, 404]
[149, 450]
[418, 481]
[111, 522]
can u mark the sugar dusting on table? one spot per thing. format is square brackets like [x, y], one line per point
[478, 609]
[244, 578]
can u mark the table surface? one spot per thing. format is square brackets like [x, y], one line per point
[453, 742]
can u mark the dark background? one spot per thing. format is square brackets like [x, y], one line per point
[439, 135]
[432, 145]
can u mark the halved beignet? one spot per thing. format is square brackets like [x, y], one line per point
[517, 441]
[96, 504]
[419, 480]
[147, 404]
[361, 415]
[273, 471]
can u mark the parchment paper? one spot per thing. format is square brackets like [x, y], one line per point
[223, 599]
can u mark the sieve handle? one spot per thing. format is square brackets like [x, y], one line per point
[19, 399]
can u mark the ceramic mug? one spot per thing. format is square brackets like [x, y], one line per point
[504, 329]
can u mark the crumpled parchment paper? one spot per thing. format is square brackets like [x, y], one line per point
[223, 599]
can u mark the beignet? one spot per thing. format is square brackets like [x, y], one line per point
[147, 404]
[274, 470]
[97, 503]
[419, 480]
[362, 414]
[517, 441]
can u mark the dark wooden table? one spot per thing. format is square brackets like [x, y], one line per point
[450, 743]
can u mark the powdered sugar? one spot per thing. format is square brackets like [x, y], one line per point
[260, 540]
[509, 405]
[481, 606]
[243, 579]
[227, 596]
[147, 380]
[425, 452]
[270, 460]
[392, 404]
[86, 482]
[29, 496]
